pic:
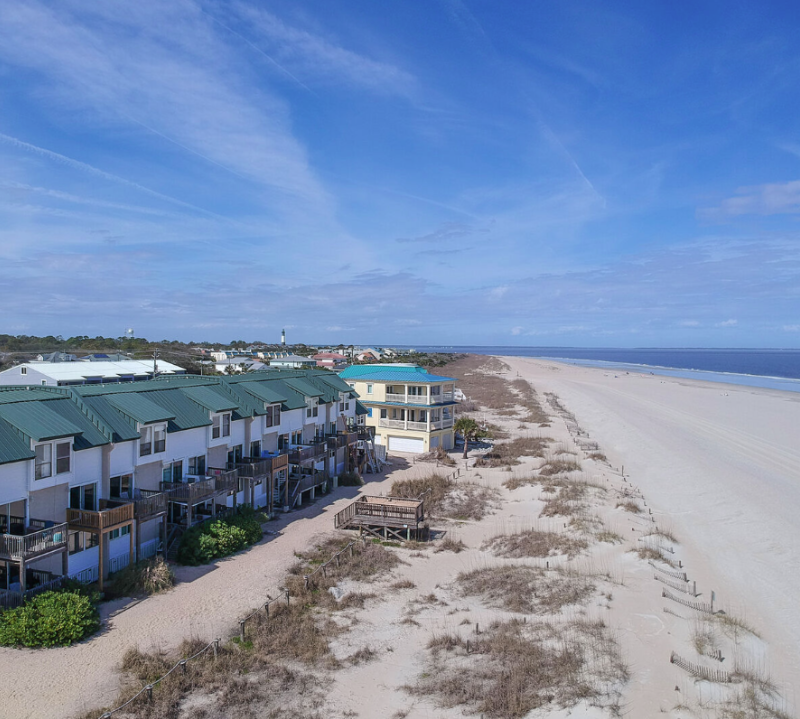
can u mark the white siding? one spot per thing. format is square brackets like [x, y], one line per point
[14, 481]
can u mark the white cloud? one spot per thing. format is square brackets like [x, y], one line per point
[776, 198]
[689, 323]
[728, 323]
[517, 330]
[791, 328]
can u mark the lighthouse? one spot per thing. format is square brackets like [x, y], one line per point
[283, 338]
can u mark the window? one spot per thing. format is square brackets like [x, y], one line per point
[197, 465]
[23, 370]
[81, 541]
[121, 532]
[435, 391]
[83, 497]
[383, 413]
[215, 427]
[44, 461]
[369, 389]
[255, 449]
[312, 412]
[146, 441]
[160, 436]
[226, 425]
[369, 411]
[235, 454]
[121, 487]
[44, 382]
[297, 437]
[62, 457]
[283, 441]
[172, 471]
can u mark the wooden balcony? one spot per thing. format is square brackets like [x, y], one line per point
[345, 439]
[112, 514]
[260, 468]
[149, 503]
[34, 542]
[298, 455]
[216, 483]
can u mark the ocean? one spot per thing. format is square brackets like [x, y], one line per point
[769, 368]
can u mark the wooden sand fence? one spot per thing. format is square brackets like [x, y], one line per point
[701, 672]
[146, 692]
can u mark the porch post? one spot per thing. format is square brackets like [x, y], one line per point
[64, 561]
[101, 568]
[22, 578]
[134, 527]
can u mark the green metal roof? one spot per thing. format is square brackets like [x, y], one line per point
[122, 426]
[91, 435]
[25, 394]
[303, 386]
[12, 447]
[186, 413]
[265, 391]
[334, 381]
[37, 421]
[140, 407]
[211, 398]
[361, 409]
[293, 398]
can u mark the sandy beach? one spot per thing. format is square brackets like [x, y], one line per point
[715, 467]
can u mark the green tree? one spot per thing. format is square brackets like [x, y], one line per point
[469, 429]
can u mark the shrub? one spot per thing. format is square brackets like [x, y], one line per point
[351, 479]
[212, 540]
[48, 620]
[150, 576]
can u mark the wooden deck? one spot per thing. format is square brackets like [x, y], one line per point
[383, 516]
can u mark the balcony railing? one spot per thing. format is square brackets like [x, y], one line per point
[347, 438]
[260, 468]
[33, 542]
[149, 503]
[217, 481]
[442, 423]
[38, 581]
[111, 514]
[417, 426]
[392, 423]
[297, 455]
[419, 398]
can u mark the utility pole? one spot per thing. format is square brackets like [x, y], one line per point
[155, 363]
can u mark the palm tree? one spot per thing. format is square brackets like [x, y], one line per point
[469, 429]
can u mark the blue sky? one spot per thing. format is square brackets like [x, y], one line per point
[415, 171]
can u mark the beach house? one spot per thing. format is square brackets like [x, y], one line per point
[93, 476]
[409, 409]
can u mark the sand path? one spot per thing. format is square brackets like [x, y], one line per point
[723, 463]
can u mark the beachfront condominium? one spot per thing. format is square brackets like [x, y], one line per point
[96, 475]
[409, 409]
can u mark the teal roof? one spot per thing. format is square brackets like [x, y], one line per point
[361, 409]
[37, 421]
[391, 373]
[212, 398]
[91, 434]
[305, 387]
[12, 447]
[139, 407]
[186, 413]
[265, 391]
[122, 426]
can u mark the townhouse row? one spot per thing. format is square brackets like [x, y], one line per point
[96, 476]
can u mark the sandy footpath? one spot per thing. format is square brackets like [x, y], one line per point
[722, 464]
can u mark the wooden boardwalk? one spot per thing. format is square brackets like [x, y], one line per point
[382, 517]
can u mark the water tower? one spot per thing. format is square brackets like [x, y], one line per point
[129, 333]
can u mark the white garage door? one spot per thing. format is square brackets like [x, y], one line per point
[406, 444]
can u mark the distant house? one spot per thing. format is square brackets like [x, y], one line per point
[65, 374]
[330, 360]
[368, 355]
[409, 409]
[293, 362]
[239, 364]
[56, 357]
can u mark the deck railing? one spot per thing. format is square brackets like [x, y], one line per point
[110, 514]
[16, 547]
[149, 502]
[382, 509]
[303, 454]
[218, 481]
[347, 438]
[45, 581]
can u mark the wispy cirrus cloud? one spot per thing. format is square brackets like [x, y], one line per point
[133, 70]
[315, 58]
[776, 198]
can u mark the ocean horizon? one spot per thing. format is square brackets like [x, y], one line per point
[765, 368]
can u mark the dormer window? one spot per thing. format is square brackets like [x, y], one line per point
[221, 425]
[44, 465]
[153, 439]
